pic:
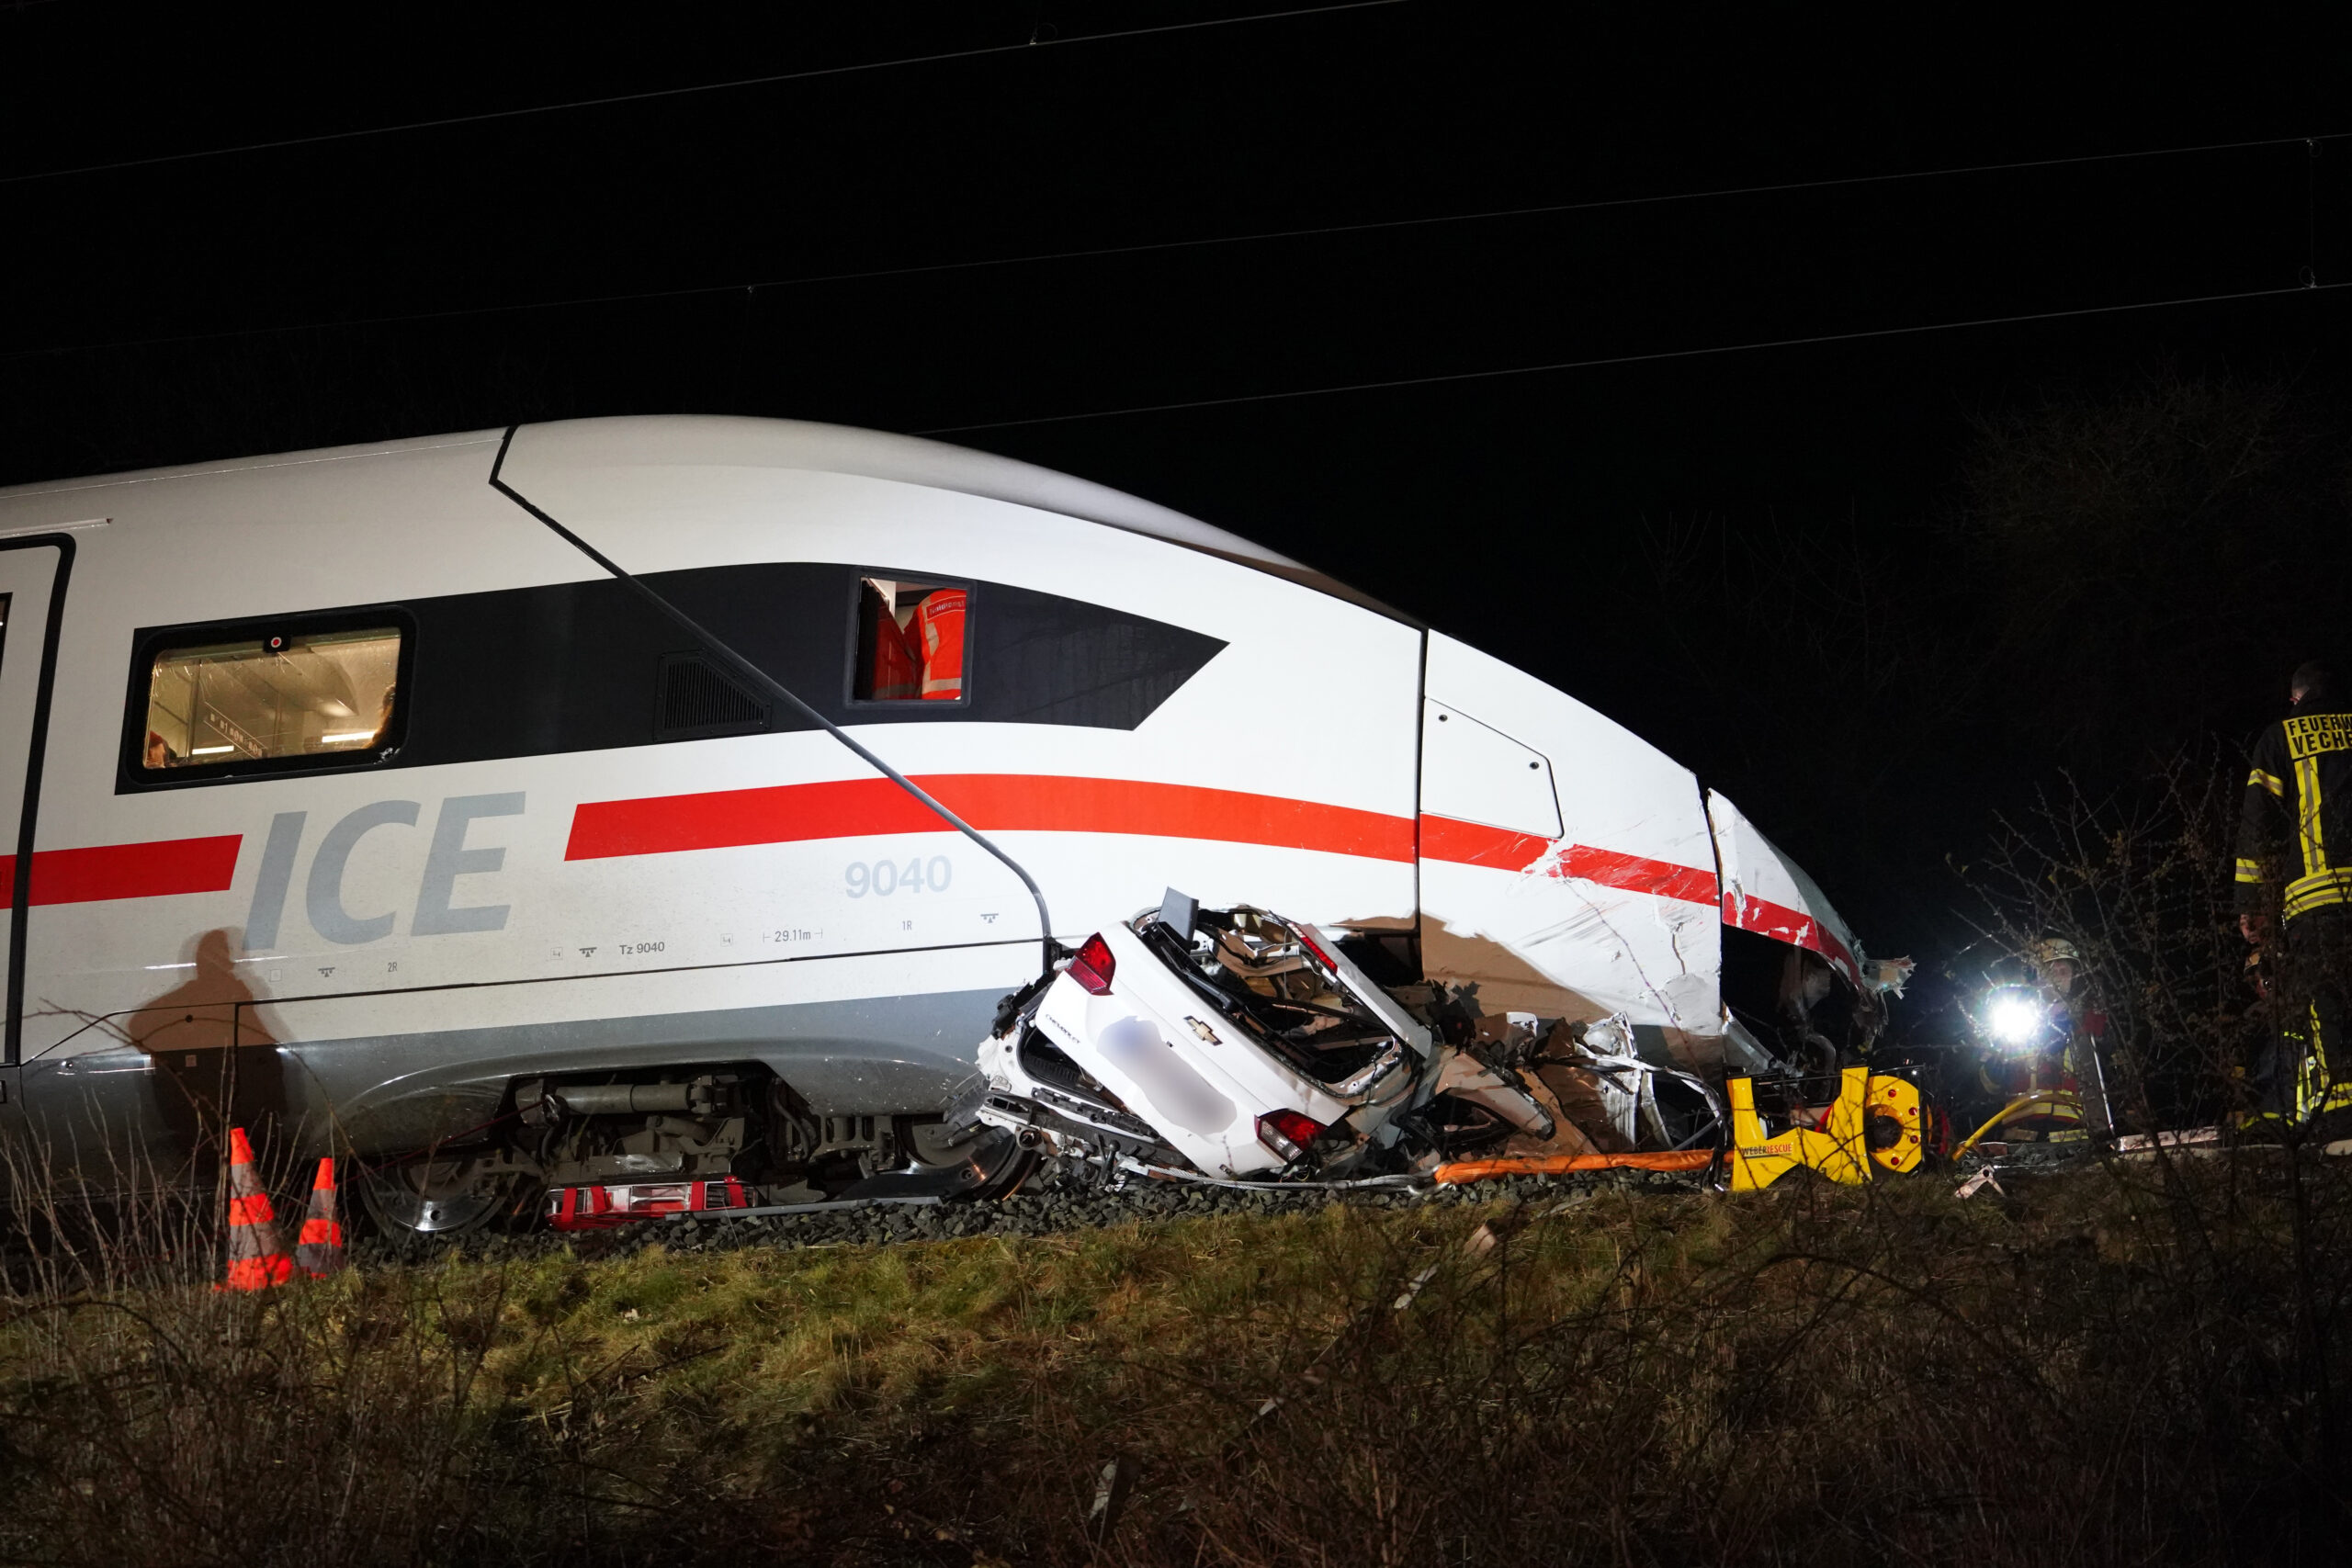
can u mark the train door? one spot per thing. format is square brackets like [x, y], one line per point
[32, 576]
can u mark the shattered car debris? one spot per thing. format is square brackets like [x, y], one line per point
[1234, 1045]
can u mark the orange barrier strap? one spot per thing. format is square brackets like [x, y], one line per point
[252, 1209]
[1460, 1171]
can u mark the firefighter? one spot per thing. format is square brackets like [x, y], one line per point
[2082, 1021]
[2294, 894]
[2043, 1066]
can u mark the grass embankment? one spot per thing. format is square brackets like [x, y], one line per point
[2096, 1370]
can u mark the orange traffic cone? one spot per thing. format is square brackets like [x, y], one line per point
[255, 1258]
[320, 1252]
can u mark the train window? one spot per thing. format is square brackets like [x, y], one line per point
[278, 695]
[909, 641]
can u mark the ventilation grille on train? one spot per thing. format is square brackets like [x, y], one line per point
[699, 699]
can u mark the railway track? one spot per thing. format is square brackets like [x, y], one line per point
[1051, 1203]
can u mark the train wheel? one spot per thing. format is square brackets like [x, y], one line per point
[438, 1195]
[1002, 1164]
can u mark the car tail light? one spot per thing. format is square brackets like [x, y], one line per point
[1287, 1132]
[601, 1206]
[1091, 966]
[1315, 948]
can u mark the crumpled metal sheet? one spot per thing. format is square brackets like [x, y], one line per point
[1766, 892]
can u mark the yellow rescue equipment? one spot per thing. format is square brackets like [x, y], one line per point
[2065, 1105]
[1875, 1121]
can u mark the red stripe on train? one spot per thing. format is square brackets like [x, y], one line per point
[995, 802]
[1020, 802]
[1749, 913]
[1474, 843]
[129, 871]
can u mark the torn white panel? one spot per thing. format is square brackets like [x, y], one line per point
[1766, 892]
[1612, 910]
[1743, 1052]
[1609, 1046]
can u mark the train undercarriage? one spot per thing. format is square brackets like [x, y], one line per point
[1227, 1046]
[593, 1151]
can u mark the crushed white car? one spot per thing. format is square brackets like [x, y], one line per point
[1233, 1046]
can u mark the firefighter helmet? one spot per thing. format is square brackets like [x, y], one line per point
[2052, 950]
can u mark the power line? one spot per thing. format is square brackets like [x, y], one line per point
[1630, 359]
[649, 95]
[1599, 204]
[1198, 242]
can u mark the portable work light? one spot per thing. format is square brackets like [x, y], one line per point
[2014, 1019]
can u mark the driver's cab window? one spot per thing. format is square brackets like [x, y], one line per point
[909, 641]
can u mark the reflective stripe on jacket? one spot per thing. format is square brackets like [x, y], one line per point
[2295, 831]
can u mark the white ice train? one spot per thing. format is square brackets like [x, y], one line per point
[354, 798]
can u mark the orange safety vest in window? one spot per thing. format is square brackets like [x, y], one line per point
[939, 633]
[895, 674]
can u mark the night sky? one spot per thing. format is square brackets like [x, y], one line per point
[595, 260]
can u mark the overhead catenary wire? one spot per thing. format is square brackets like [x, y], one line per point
[751, 671]
[651, 95]
[1604, 361]
[1148, 247]
[1597, 204]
